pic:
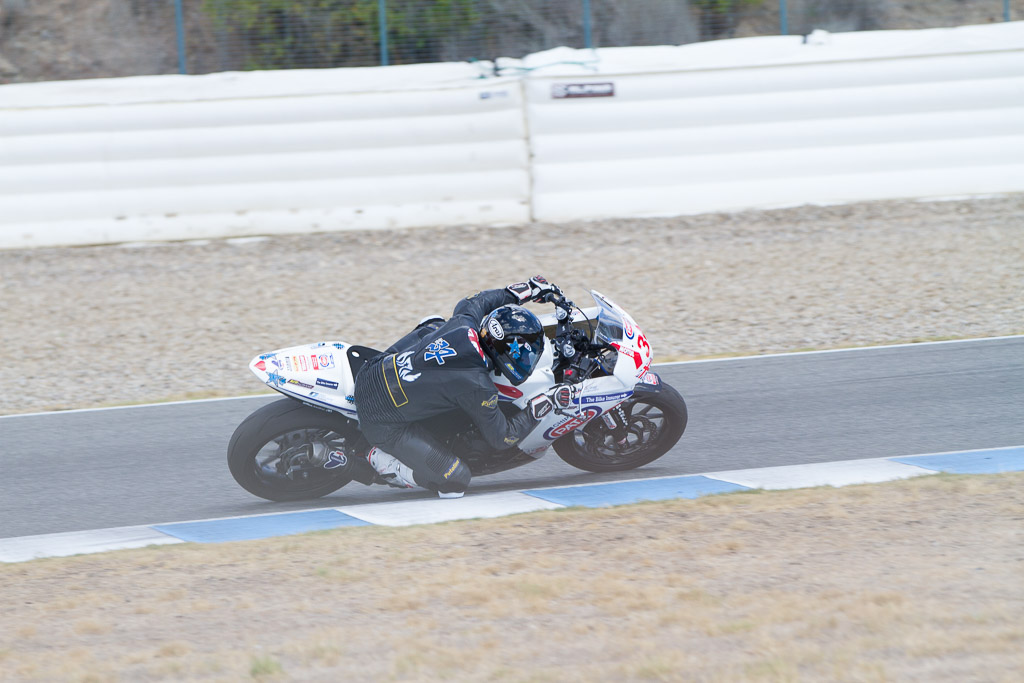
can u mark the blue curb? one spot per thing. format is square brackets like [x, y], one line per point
[970, 462]
[264, 526]
[625, 492]
[421, 511]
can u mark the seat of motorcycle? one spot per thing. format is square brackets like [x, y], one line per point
[358, 356]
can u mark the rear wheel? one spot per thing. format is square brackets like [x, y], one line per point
[288, 451]
[648, 425]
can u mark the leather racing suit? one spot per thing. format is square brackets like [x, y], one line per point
[436, 369]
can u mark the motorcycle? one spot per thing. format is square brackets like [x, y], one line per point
[619, 415]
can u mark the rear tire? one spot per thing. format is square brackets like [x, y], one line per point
[655, 421]
[279, 451]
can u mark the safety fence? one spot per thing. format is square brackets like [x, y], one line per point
[44, 41]
[561, 135]
[271, 34]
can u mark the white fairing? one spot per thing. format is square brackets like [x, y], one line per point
[319, 374]
[594, 396]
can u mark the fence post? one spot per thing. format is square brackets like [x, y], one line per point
[587, 39]
[382, 14]
[179, 25]
[783, 18]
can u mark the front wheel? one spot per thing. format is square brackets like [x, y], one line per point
[288, 451]
[648, 425]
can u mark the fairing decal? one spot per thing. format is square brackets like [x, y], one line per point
[317, 374]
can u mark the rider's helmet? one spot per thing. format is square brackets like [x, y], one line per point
[514, 339]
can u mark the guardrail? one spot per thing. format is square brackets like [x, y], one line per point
[560, 135]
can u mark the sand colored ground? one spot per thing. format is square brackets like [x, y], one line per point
[920, 580]
[115, 325]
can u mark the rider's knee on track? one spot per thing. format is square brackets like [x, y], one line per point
[454, 479]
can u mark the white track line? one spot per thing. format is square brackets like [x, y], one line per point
[678, 362]
[852, 348]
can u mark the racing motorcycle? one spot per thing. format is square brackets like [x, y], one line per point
[614, 414]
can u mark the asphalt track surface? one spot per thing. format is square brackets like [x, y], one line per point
[165, 463]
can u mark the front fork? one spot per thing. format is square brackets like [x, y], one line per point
[617, 422]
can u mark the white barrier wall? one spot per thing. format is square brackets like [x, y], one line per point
[755, 122]
[171, 157]
[779, 121]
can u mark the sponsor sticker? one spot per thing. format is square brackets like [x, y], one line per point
[316, 366]
[512, 369]
[627, 327]
[335, 459]
[326, 383]
[650, 378]
[326, 361]
[451, 470]
[261, 366]
[562, 91]
[300, 384]
[494, 329]
[490, 403]
[625, 351]
[601, 398]
[573, 423]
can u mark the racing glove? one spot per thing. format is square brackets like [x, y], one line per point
[558, 398]
[539, 406]
[535, 290]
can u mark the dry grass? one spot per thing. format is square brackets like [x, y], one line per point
[921, 579]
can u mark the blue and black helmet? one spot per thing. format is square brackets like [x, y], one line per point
[514, 339]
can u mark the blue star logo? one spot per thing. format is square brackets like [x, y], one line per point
[514, 348]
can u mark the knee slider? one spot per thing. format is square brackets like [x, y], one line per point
[455, 478]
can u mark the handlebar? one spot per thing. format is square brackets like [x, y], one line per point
[572, 346]
[560, 302]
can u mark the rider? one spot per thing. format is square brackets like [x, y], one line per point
[443, 366]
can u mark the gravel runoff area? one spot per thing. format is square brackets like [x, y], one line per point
[110, 325]
[917, 580]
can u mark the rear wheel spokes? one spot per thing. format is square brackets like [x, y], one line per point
[295, 460]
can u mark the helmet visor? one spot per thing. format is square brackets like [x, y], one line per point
[520, 358]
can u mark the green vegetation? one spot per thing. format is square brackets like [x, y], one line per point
[718, 17]
[264, 666]
[284, 34]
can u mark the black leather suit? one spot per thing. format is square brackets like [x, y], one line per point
[436, 369]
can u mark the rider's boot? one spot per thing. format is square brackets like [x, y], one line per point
[453, 494]
[391, 469]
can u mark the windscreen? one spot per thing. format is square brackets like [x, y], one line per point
[609, 320]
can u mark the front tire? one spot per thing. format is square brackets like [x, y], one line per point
[289, 451]
[654, 422]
